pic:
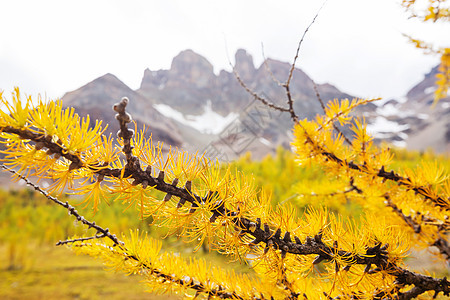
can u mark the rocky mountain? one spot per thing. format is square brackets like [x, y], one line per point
[190, 83]
[414, 121]
[97, 98]
[190, 106]
[191, 89]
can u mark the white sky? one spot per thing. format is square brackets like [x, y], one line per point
[52, 47]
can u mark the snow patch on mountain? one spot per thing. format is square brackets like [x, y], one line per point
[265, 141]
[209, 122]
[381, 126]
[430, 90]
[390, 110]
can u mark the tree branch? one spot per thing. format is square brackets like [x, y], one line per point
[291, 71]
[376, 255]
[323, 108]
[72, 211]
[80, 239]
[438, 201]
[255, 95]
[440, 242]
[266, 65]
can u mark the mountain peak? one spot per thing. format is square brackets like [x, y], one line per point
[189, 59]
[242, 56]
[109, 79]
[98, 96]
[191, 68]
[244, 64]
[97, 90]
[109, 76]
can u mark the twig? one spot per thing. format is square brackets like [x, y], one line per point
[291, 71]
[437, 200]
[323, 108]
[80, 239]
[266, 65]
[72, 211]
[352, 188]
[125, 133]
[255, 95]
[440, 242]
[318, 95]
[287, 84]
[294, 116]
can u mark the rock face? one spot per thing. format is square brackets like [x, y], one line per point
[97, 98]
[244, 65]
[426, 126]
[192, 69]
[190, 84]
[433, 129]
[173, 103]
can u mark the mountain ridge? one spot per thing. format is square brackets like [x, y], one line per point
[97, 97]
[192, 90]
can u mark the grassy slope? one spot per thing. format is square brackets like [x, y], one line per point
[56, 273]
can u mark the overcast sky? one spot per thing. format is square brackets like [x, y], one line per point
[52, 47]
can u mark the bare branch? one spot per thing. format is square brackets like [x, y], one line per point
[255, 95]
[285, 85]
[125, 133]
[266, 65]
[291, 71]
[294, 116]
[80, 239]
[318, 95]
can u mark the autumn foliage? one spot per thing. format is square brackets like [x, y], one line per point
[310, 254]
[307, 246]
